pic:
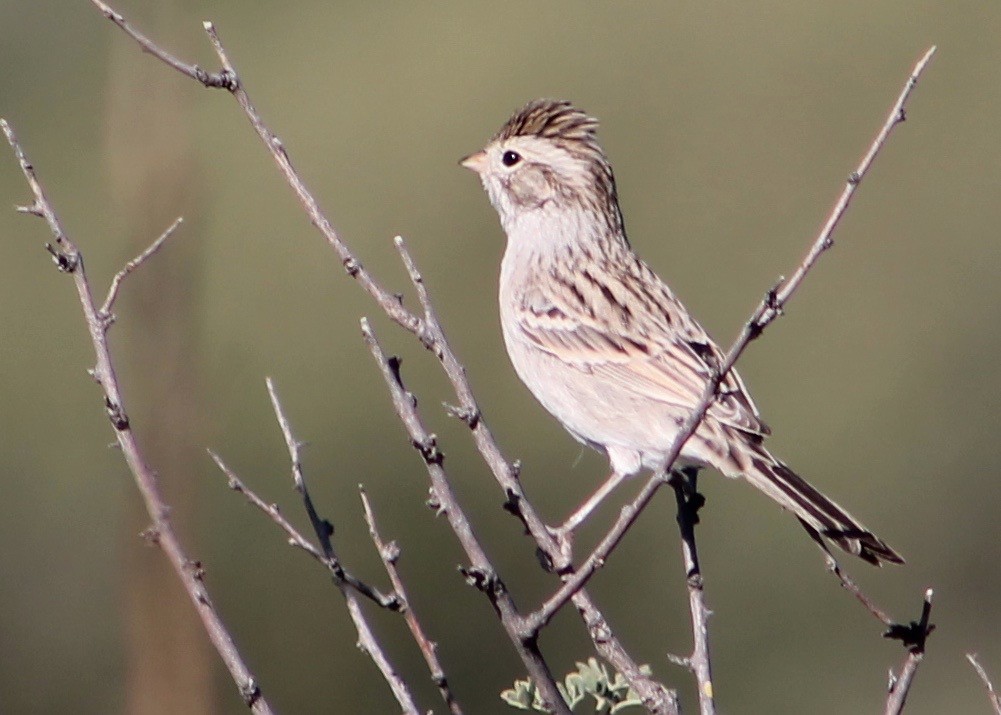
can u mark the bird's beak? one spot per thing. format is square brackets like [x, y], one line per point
[475, 162]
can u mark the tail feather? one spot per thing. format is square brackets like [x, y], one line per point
[816, 511]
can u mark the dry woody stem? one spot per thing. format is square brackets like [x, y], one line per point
[390, 554]
[68, 259]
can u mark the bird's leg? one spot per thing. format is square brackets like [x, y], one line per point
[564, 533]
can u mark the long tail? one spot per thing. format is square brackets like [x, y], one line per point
[819, 514]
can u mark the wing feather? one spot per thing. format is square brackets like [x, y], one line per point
[623, 324]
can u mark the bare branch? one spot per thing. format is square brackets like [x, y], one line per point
[900, 686]
[348, 584]
[433, 337]
[849, 585]
[190, 572]
[321, 527]
[775, 301]
[341, 577]
[295, 538]
[350, 587]
[390, 554]
[992, 695]
[64, 252]
[116, 282]
[481, 574]
[193, 71]
[768, 310]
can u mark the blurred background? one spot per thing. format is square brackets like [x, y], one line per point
[731, 126]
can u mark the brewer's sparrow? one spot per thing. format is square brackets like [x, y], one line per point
[602, 342]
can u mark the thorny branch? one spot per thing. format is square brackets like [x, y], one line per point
[190, 572]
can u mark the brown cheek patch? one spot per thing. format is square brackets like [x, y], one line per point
[531, 187]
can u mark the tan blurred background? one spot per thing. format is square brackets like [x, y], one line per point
[731, 127]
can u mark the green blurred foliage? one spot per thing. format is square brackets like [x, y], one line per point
[731, 127]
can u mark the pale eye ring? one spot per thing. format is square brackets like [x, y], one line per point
[510, 158]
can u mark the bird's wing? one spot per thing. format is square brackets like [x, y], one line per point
[623, 324]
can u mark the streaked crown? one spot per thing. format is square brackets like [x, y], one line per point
[550, 119]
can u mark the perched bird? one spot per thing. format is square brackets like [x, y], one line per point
[600, 339]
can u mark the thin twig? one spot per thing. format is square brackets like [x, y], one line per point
[390, 554]
[295, 538]
[900, 685]
[481, 574]
[992, 695]
[321, 527]
[770, 308]
[349, 586]
[389, 302]
[849, 585]
[151, 250]
[190, 572]
[195, 72]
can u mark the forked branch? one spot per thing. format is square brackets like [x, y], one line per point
[190, 571]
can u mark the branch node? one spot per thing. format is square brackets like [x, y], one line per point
[250, 692]
[434, 503]
[65, 261]
[484, 580]
[428, 448]
[470, 414]
[196, 569]
[512, 503]
[352, 266]
[34, 209]
[116, 413]
[391, 553]
[151, 535]
[854, 178]
[680, 661]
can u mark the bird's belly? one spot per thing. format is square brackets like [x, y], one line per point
[596, 412]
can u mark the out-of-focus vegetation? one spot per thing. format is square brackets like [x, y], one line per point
[731, 127]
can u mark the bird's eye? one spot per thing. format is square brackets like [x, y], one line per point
[510, 158]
